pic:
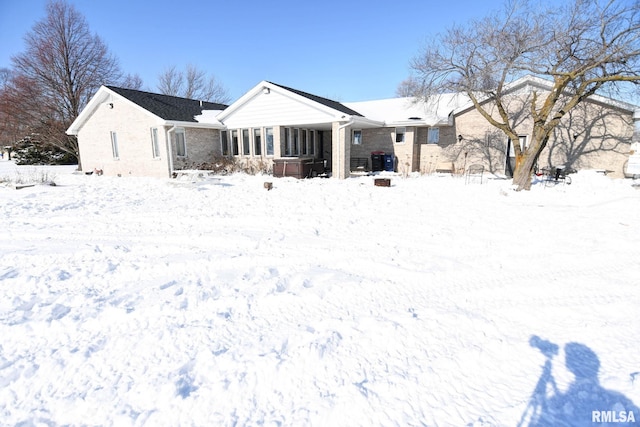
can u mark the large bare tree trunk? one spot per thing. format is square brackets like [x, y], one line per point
[526, 163]
[524, 171]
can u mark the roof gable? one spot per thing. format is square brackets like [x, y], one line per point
[168, 107]
[320, 100]
[272, 104]
[529, 83]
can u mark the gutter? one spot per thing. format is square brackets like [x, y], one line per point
[169, 152]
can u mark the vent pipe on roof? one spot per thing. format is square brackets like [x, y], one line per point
[200, 103]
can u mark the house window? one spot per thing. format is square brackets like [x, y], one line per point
[523, 145]
[303, 141]
[357, 137]
[114, 146]
[257, 142]
[234, 142]
[269, 140]
[246, 144]
[296, 143]
[287, 141]
[155, 146]
[433, 136]
[312, 142]
[224, 140]
[181, 145]
[400, 135]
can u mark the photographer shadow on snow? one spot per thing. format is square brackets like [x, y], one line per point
[585, 402]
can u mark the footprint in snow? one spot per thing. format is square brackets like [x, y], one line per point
[59, 311]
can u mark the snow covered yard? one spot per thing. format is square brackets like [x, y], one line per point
[134, 301]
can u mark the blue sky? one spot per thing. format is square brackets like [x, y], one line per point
[340, 49]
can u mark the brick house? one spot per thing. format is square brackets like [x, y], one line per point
[131, 132]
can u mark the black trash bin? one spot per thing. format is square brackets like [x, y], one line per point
[377, 161]
[388, 162]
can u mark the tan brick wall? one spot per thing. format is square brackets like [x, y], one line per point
[203, 145]
[133, 129]
[414, 155]
[380, 139]
[602, 138]
[445, 151]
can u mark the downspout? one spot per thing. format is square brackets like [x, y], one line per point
[169, 152]
[349, 123]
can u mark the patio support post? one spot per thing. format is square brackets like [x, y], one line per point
[341, 149]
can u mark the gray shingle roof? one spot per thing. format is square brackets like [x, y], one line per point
[168, 107]
[324, 101]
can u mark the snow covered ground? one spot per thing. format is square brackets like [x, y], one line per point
[134, 301]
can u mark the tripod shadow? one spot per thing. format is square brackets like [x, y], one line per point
[585, 402]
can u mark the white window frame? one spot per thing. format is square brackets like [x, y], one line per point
[182, 140]
[524, 144]
[295, 145]
[312, 143]
[357, 137]
[288, 149]
[114, 145]
[224, 143]
[400, 131]
[155, 143]
[257, 141]
[433, 135]
[268, 141]
[304, 148]
[235, 142]
[246, 142]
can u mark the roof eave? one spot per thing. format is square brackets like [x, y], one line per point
[183, 124]
[365, 122]
[423, 123]
[534, 81]
[100, 96]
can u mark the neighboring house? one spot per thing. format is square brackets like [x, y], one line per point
[130, 132]
[272, 122]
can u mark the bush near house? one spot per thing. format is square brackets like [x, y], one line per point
[26, 152]
[227, 165]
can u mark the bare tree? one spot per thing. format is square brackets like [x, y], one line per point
[407, 88]
[62, 67]
[132, 81]
[582, 47]
[171, 82]
[7, 131]
[192, 83]
[5, 75]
